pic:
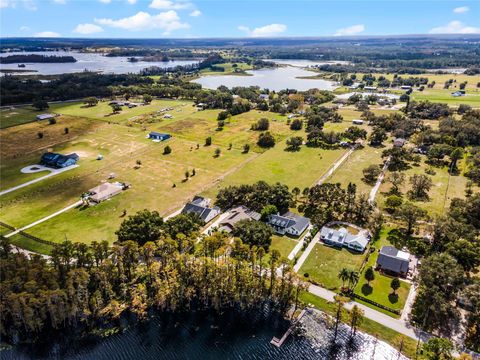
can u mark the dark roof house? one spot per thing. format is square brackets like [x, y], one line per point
[201, 207]
[392, 260]
[235, 215]
[288, 223]
[55, 160]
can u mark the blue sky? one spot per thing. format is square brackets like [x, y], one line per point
[240, 18]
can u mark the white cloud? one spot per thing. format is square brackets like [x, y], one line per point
[6, 4]
[24, 28]
[195, 13]
[267, 30]
[86, 29]
[455, 27]
[105, 1]
[132, 2]
[47, 34]
[169, 5]
[167, 21]
[61, 2]
[461, 9]
[351, 30]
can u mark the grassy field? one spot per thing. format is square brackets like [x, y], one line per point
[283, 244]
[471, 98]
[444, 189]
[228, 69]
[17, 116]
[381, 332]
[325, 262]
[103, 111]
[351, 169]
[295, 169]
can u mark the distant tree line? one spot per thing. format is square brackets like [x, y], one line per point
[34, 58]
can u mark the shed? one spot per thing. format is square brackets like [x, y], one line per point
[45, 116]
[357, 122]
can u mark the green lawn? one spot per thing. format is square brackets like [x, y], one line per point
[368, 326]
[283, 244]
[29, 244]
[325, 262]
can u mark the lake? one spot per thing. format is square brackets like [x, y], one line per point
[273, 79]
[222, 339]
[87, 61]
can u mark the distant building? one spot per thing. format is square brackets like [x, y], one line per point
[45, 116]
[104, 191]
[55, 160]
[399, 142]
[343, 238]
[288, 223]
[357, 122]
[263, 96]
[394, 261]
[168, 116]
[237, 214]
[405, 87]
[156, 136]
[458, 93]
[201, 207]
[370, 88]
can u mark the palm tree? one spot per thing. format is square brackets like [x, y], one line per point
[353, 277]
[356, 318]
[343, 275]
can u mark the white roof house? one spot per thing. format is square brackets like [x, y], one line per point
[343, 238]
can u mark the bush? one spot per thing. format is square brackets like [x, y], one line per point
[296, 124]
[167, 150]
[261, 125]
[208, 141]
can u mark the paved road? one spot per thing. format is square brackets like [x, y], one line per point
[398, 325]
[45, 218]
[52, 173]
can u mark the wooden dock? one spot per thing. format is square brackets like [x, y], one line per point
[279, 342]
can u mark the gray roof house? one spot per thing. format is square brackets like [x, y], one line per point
[394, 261]
[45, 116]
[399, 142]
[235, 215]
[343, 238]
[201, 207]
[288, 223]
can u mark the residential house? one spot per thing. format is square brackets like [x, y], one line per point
[370, 88]
[235, 215]
[357, 122]
[156, 136]
[394, 261]
[201, 207]
[288, 223]
[405, 87]
[343, 238]
[55, 160]
[104, 191]
[263, 96]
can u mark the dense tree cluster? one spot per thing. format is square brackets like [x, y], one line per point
[89, 287]
[255, 197]
[330, 202]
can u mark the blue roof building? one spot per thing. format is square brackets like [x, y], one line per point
[156, 136]
[58, 160]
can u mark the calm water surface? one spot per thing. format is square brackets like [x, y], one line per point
[87, 61]
[222, 340]
[274, 79]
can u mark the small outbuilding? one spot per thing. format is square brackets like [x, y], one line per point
[399, 142]
[45, 116]
[357, 122]
[156, 136]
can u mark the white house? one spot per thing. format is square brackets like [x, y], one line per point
[343, 238]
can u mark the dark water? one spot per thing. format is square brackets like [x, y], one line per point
[220, 339]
